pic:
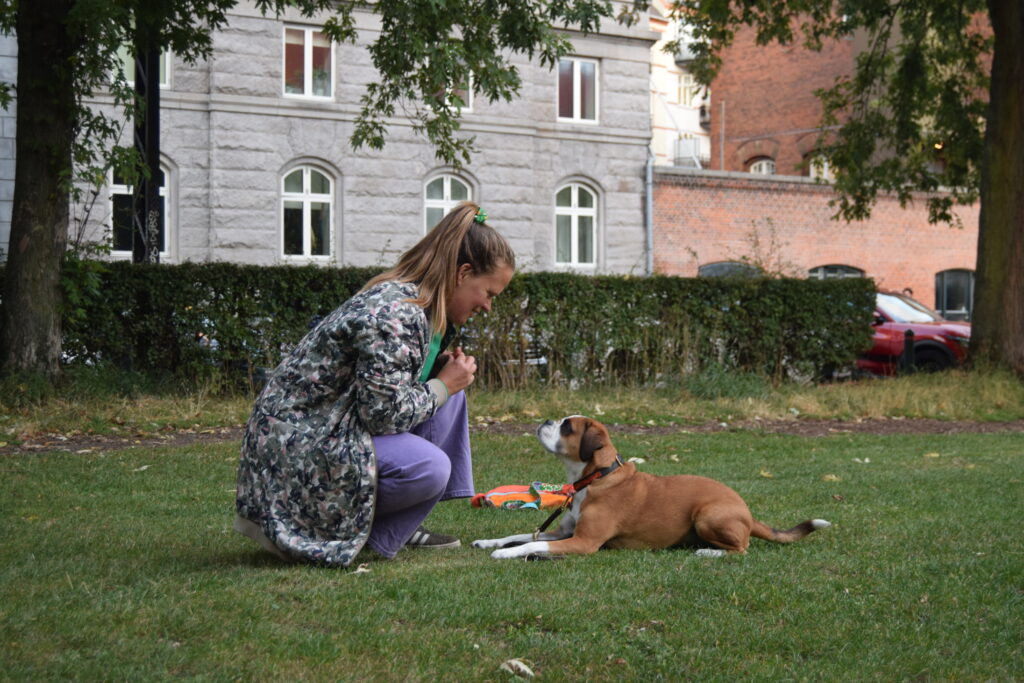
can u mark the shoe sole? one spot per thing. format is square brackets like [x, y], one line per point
[439, 546]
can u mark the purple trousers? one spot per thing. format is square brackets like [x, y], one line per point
[416, 470]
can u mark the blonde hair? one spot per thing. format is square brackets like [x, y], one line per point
[434, 261]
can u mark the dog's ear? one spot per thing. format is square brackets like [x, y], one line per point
[594, 439]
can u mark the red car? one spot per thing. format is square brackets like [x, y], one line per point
[938, 343]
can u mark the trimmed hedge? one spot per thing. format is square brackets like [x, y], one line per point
[218, 320]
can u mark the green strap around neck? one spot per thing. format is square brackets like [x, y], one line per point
[428, 364]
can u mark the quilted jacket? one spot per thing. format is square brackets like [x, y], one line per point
[307, 475]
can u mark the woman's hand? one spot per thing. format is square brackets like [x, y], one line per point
[459, 372]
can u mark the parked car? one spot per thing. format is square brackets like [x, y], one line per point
[938, 343]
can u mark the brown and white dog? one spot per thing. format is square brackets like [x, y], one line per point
[616, 506]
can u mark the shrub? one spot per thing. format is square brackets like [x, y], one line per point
[204, 323]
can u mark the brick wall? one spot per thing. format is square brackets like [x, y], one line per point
[770, 109]
[707, 217]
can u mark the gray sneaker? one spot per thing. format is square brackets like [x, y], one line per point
[421, 538]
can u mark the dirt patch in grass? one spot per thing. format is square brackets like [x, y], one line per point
[94, 443]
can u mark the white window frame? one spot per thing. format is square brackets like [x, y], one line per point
[467, 107]
[834, 271]
[575, 211]
[129, 190]
[128, 63]
[307, 198]
[820, 169]
[577, 101]
[307, 64]
[446, 203]
[764, 166]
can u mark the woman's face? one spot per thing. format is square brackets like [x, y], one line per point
[473, 293]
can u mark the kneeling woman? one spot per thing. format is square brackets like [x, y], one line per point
[362, 429]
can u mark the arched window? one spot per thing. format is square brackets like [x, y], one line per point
[728, 269]
[819, 168]
[762, 166]
[954, 294]
[441, 195]
[121, 214]
[575, 226]
[307, 196]
[834, 271]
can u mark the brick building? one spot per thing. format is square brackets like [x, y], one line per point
[760, 200]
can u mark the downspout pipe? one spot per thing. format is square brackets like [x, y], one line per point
[649, 212]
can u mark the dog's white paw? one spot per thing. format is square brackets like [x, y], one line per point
[539, 547]
[710, 552]
[486, 543]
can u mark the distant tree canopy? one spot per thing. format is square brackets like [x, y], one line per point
[934, 103]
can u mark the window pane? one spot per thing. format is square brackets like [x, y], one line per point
[565, 109]
[294, 58]
[459, 191]
[564, 197]
[953, 294]
[321, 65]
[164, 60]
[161, 240]
[434, 216]
[122, 222]
[435, 189]
[320, 224]
[588, 91]
[563, 239]
[293, 228]
[585, 199]
[319, 183]
[293, 181]
[586, 240]
[127, 58]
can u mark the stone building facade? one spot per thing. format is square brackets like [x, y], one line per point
[258, 168]
[8, 118]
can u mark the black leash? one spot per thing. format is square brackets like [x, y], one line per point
[572, 489]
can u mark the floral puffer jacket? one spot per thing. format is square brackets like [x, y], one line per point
[307, 475]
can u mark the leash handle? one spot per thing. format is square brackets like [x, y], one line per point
[552, 517]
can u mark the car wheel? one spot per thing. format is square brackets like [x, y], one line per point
[931, 360]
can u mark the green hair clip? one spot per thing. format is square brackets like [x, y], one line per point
[480, 216]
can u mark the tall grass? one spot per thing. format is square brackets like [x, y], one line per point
[112, 406]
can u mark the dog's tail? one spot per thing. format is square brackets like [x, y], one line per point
[763, 531]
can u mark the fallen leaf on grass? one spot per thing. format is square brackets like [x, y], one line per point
[362, 569]
[831, 477]
[865, 461]
[766, 474]
[933, 454]
[141, 469]
[517, 667]
[638, 461]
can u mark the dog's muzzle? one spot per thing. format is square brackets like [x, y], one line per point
[549, 435]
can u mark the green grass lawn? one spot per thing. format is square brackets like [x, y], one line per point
[122, 566]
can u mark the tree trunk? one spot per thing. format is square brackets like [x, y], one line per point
[998, 329]
[30, 329]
